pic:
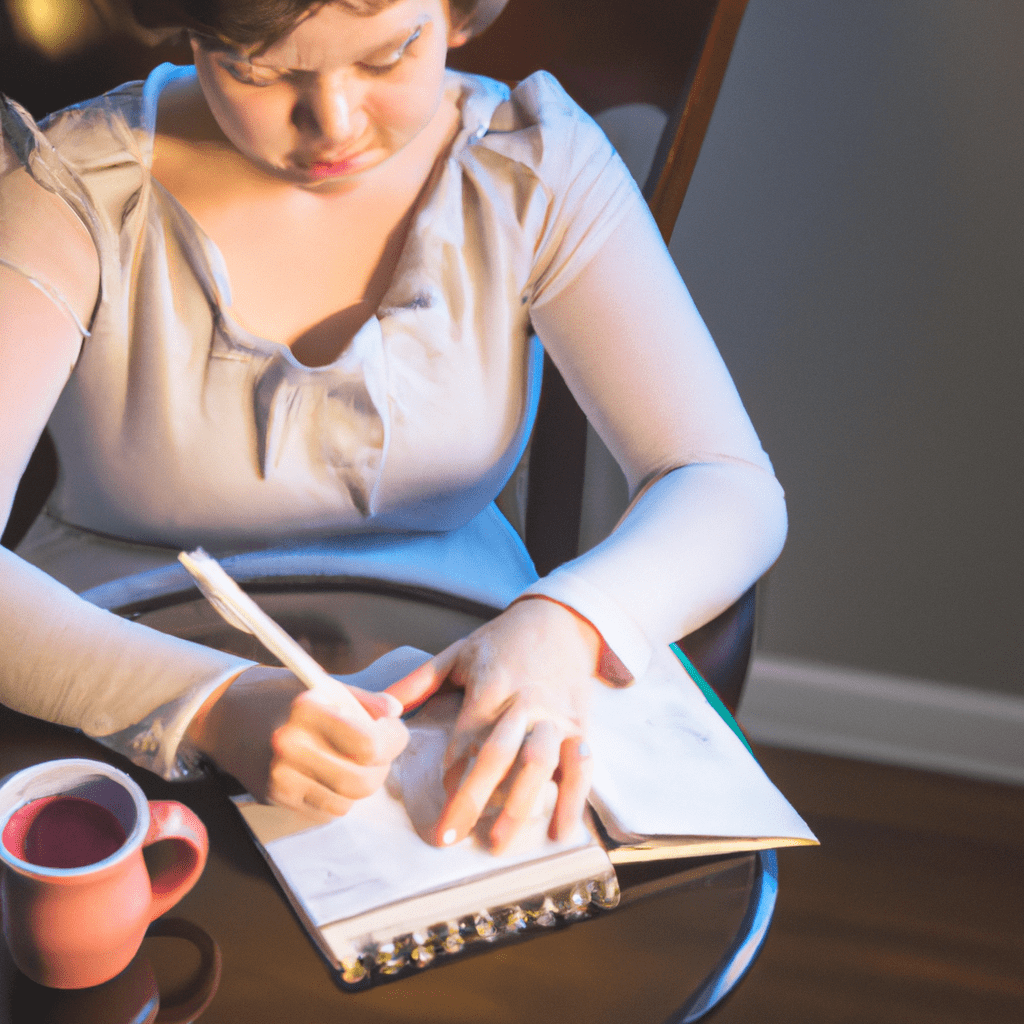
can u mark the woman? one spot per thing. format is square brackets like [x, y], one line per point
[294, 288]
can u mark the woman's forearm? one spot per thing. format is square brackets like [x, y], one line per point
[695, 541]
[69, 662]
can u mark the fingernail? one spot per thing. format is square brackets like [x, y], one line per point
[449, 837]
[395, 706]
[584, 749]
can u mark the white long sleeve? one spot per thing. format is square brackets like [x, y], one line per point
[636, 354]
[64, 659]
[72, 663]
[178, 427]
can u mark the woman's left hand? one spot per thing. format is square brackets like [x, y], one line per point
[527, 676]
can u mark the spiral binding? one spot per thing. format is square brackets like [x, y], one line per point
[378, 962]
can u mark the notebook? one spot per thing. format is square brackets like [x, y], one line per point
[671, 779]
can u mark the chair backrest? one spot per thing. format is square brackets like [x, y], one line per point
[669, 53]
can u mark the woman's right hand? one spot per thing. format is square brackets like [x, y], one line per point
[292, 746]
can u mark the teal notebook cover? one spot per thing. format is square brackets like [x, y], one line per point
[712, 698]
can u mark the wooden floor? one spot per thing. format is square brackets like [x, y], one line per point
[910, 912]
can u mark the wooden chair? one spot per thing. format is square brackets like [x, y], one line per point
[669, 53]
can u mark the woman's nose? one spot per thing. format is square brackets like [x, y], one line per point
[326, 111]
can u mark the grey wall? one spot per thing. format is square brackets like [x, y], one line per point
[854, 236]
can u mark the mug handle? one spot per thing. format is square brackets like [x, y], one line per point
[169, 819]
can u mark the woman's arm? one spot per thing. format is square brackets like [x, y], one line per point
[65, 660]
[55, 283]
[709, 519]
[70, 662]
[708, 516]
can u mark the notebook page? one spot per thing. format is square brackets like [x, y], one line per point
[374, 856]
[666, 764]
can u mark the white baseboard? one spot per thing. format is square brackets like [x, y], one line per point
[849, 712]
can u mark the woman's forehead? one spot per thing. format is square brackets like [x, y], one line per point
[335, 34]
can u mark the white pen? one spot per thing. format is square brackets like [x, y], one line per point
[242, 612]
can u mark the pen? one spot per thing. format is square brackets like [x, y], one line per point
[242, 612]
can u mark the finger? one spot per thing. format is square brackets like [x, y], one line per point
[423, 682]
[373, 743]
[298, 751]
[456, 771]
[290, 788]
[496, 756]
[475, 720]
[538, 760]
[576, 769]
[379, 704]
[332, 693]
[461, 751]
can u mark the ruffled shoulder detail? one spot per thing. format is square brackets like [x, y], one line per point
[115, 129]
[538, 124]
[95, 155]
[17, 137]
[102, 132]
[569, 186]
[25, 150]
[25, 144]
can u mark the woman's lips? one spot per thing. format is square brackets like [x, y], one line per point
[332, 168]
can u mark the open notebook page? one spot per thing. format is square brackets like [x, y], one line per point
[374, 855]
[666, 764]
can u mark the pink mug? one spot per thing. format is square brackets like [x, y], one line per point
[77, 896]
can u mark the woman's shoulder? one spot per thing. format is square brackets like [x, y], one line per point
[113, 129]
[34, 176]
[535, 123]
[524, 115]
[94, 155]
[541, 99]
[511, 106]
[532, 150]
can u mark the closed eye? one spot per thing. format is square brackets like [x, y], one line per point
[249, 74]
[394, 59]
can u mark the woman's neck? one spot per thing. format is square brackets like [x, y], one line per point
[307, 267]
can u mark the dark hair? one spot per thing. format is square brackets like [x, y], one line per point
[261, 23]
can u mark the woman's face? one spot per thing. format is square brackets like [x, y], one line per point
[337, 96]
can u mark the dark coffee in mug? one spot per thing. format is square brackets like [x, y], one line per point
[63, 832]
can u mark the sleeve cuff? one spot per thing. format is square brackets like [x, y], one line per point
[158, 743]
[619, 631]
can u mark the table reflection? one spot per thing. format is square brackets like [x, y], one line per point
[171, 980]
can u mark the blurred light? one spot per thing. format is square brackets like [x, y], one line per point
[55, 27]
